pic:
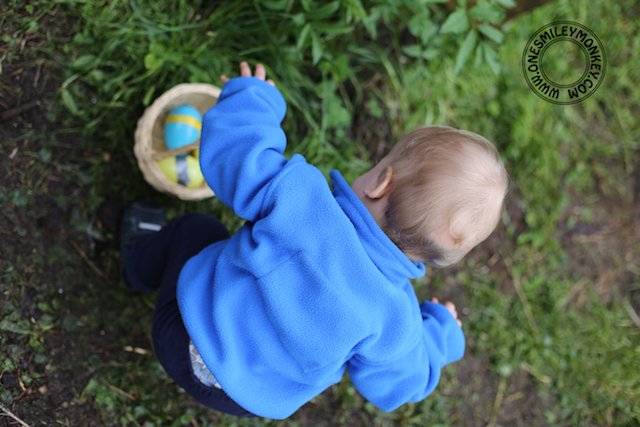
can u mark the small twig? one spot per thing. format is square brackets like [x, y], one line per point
[632, 313]
[14, 73]
[7, 137]
[136, 350]
[502, 386]
[527, 308]
[86, 258]
[193, 420]
[116, 389]
[523, 299]
[8, 413]
[37, 77]
[189, 16]
[533, 371]
[19, 110]
[6, 52]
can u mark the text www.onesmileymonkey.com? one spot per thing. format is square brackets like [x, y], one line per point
[537, 75]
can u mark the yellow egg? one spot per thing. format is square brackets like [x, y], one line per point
[184, 170]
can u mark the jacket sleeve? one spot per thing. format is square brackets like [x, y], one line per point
[241, 144]
[414, 375]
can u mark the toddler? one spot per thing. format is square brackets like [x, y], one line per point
[316, 281]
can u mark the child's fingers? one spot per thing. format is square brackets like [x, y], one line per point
[261, 73]
[245, 70]
[450, 306]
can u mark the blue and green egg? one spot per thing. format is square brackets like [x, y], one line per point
[182, 126]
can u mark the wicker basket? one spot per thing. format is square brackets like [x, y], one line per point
[149, 136]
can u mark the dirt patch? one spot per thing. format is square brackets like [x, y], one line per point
[35, 222]
[605, 251]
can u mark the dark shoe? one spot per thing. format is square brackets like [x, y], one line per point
[141, 218]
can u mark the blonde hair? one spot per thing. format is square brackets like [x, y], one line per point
[448, 181]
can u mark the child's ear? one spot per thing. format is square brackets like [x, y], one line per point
[382, 188]
[446, 239]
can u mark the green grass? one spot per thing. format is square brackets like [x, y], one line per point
[546, 307]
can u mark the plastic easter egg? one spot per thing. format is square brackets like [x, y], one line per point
[182, 126]
[184, 170]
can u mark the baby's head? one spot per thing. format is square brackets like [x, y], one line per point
[437, 194]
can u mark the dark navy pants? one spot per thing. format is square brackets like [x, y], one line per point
[153, 264]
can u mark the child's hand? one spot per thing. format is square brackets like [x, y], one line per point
[245, 71]
[452, 309]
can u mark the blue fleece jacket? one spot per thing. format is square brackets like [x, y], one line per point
[310, 285]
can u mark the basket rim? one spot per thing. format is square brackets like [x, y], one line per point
[143, 149]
